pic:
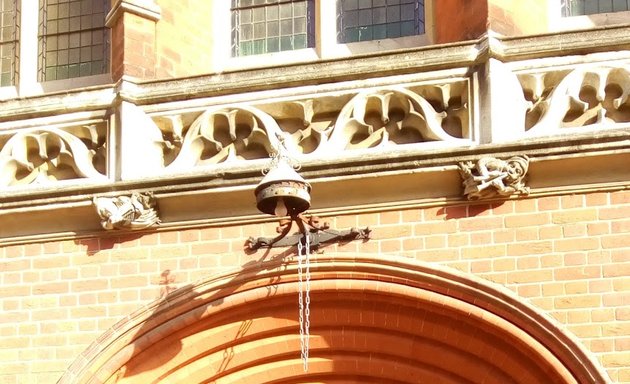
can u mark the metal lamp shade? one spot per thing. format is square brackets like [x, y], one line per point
[284, 185]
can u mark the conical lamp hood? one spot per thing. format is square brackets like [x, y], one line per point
[283, 185]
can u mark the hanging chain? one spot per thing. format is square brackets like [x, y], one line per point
[307, 304]
[301, 301]
[304, 300]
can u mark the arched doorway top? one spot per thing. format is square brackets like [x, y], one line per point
[373, 318]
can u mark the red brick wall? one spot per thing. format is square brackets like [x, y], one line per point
[133, 47]
[184, 38]
[513, 17]
[181, 42]
[567, 255]
[178, 44]
[459, 20]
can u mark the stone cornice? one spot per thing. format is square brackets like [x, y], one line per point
[598, 39]
[353, 164]
[305, 74]
[415, 178]
[84, 99]
[416, 60]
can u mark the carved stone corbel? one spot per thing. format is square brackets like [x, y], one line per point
[134, 212]
[491, 177]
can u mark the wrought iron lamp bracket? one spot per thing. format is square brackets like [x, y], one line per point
[318, 232]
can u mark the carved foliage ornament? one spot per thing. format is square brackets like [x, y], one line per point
[137, 211]
[46, 154]
[582, 97]
[390, 117]
[217, 136]
[315, 127]
[491, 177]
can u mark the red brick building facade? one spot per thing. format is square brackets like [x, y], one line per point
[530, 285]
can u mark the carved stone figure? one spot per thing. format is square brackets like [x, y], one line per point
[491, 177]
[137, 211]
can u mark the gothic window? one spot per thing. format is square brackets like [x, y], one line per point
[42, 41]
[364, 20]
[591, 7]
[72, 39]
[9, 43]
[265, 26]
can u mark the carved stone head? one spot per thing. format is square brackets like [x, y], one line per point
[517, 167]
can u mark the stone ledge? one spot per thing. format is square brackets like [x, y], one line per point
[52, 104]
[405, 61]
[404, 158]
[597, 39]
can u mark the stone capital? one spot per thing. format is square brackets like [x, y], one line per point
[146, 9]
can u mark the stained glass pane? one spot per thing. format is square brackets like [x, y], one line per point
[73, 41]
[260, 26]
[9, 32]
[590, 7]
[363, 20]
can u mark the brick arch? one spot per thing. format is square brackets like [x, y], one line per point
[373, 320]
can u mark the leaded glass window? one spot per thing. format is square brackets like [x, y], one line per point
[73, 40]
[264, 26]
[9, 41]
[364, 20]
[590, 7]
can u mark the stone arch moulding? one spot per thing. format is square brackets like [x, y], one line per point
[373, 320]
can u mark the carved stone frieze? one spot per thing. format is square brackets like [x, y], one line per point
[491, 177]
[594, 96]
[317, 126]
[217, 136]
[137, 211]
[393, 117]
[46, 154]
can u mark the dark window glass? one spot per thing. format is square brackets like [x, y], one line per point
[9, 42]
[73, 40]
[363, 20]
[590, 7]
[265, 26]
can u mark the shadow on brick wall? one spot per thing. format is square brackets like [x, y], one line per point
[161, 324]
